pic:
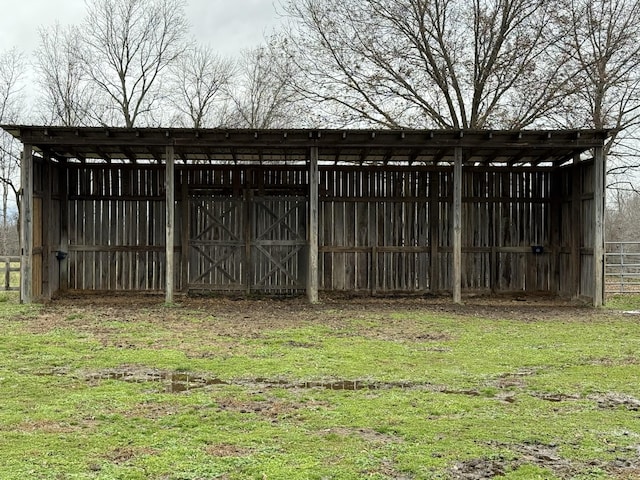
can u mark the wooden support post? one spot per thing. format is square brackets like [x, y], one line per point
[26, 225]
[456, 242]
[170, 221]
[312, 270]
[598, 225]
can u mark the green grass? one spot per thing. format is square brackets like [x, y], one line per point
[623, 302]
[548, 397]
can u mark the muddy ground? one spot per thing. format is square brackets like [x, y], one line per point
[281, 312]
[250, 317]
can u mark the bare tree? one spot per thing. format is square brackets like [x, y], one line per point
[603, 42]
[264, 96]
[430, 63]
[12, 69]
[67, 96]
[130, 44]
[623, 216]
[200, 81]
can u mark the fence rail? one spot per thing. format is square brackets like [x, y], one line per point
[11, 268]
[622, 272]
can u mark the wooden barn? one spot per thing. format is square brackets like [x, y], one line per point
[303, 211]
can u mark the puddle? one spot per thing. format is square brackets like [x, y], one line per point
[175, 382]
[351, 385]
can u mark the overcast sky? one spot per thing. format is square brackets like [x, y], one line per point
[227, 25]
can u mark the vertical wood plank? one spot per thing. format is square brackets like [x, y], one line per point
[457, 227]
[186, 228]
[63, 188]
[555, 232]
[576, 227]
[434, 231]
[47, 231]
[26, 224]
[312, 271]
[598, 223]
[169, 220]
[248, 207]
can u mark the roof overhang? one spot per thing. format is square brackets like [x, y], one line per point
[362, 147]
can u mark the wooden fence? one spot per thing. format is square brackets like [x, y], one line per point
[622, 273]
[11, 268]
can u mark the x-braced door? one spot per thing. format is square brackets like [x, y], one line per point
[278, 244]
[255, 244]
[216, 246]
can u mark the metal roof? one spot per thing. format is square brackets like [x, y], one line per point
[276, 146]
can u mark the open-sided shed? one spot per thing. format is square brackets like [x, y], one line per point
[294, 211]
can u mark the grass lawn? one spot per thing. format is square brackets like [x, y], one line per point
[126, 387]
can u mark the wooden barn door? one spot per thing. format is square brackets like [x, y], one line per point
[216, 243]
[278, 241]
[250, 243]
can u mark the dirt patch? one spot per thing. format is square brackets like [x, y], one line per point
[479, 469]
[543, 456]
[126, 454]
[607, 401]
[53, 427]
[227, 450]
[616, 400]
[119, 320]
[366, 434]
[274, 409]
[248, 314]
[611, 362]
[555, 397]
[513, 380]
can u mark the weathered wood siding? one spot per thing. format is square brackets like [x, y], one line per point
[575, 263]
[390, 229]
[374, 229]
[46, 228]
[116, 227]
[245, 229]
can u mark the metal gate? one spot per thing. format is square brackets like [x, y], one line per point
[250, 243]
[622, 270]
